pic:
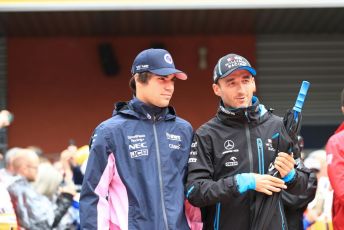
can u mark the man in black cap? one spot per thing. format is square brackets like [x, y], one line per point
[138, 158]
[231, 153]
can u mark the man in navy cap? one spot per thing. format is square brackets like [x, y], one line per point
[138, 158]
[231, 153]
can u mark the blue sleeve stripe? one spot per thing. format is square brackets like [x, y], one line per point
[275, 135]
[217, 216]
[189, 191]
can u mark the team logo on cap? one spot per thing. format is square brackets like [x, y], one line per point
[168, 58]
[236, 61]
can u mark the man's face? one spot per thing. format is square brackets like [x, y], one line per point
[236, 90]
[30, 169]
[157, 91]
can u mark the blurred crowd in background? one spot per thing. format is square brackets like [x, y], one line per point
[36, 193]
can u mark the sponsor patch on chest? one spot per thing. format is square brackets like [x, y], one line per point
[174, 140]
[137, 146]
[232, 162]
[173, 137]
[269, 145]
[229, 147]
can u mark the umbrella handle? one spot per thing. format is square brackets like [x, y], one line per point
[301, 96]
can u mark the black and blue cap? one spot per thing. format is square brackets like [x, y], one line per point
[230, 63]
[156, 61]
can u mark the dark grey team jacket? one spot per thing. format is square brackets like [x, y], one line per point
[235, 141]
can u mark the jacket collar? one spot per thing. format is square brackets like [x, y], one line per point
[140, 110]
[252, 114]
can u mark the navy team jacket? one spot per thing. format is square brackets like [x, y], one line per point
[136, 171]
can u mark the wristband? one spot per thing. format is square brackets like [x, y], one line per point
[245, 181]
[290, 176]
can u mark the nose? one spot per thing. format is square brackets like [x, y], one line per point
[240, 87]
[169, 86]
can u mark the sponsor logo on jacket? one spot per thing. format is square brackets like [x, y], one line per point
[192, 160]
[233, 162]
[269, 146]
[137, 146]
[193, 153]
[173, 137]
[229, 147]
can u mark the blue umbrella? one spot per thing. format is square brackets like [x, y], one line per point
[267, 205]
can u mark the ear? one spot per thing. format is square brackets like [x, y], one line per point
[137, 82]
[343, 109]
[136, 76]
[217, 90]
[254, 84]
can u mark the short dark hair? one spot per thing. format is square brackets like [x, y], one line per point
[142, 78]
[343, 97]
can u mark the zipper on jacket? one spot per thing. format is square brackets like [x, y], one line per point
[160, 175]
[249, 146]
[282, 215]
[260, 155]
[250, 157]
[246, 115]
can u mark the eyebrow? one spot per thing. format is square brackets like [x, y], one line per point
[229, 79]
[245, 77]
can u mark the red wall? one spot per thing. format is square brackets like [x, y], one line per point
[57, 90]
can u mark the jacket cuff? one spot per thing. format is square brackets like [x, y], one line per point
[245, 181]
[290, 177]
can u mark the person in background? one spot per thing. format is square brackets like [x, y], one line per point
[7, 174]
[295, 205]
[68, 167]
[6, 118]
[335, 167]
[39, 152]
[33, 210]
[48, 183]
[318, 212]
[138, 158]
[8, 218]
[81, 157]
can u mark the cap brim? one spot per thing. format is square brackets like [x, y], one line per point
[249, 69]
[168, 71]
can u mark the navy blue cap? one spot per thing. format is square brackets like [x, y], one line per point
[229, 63]
[156, 61]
